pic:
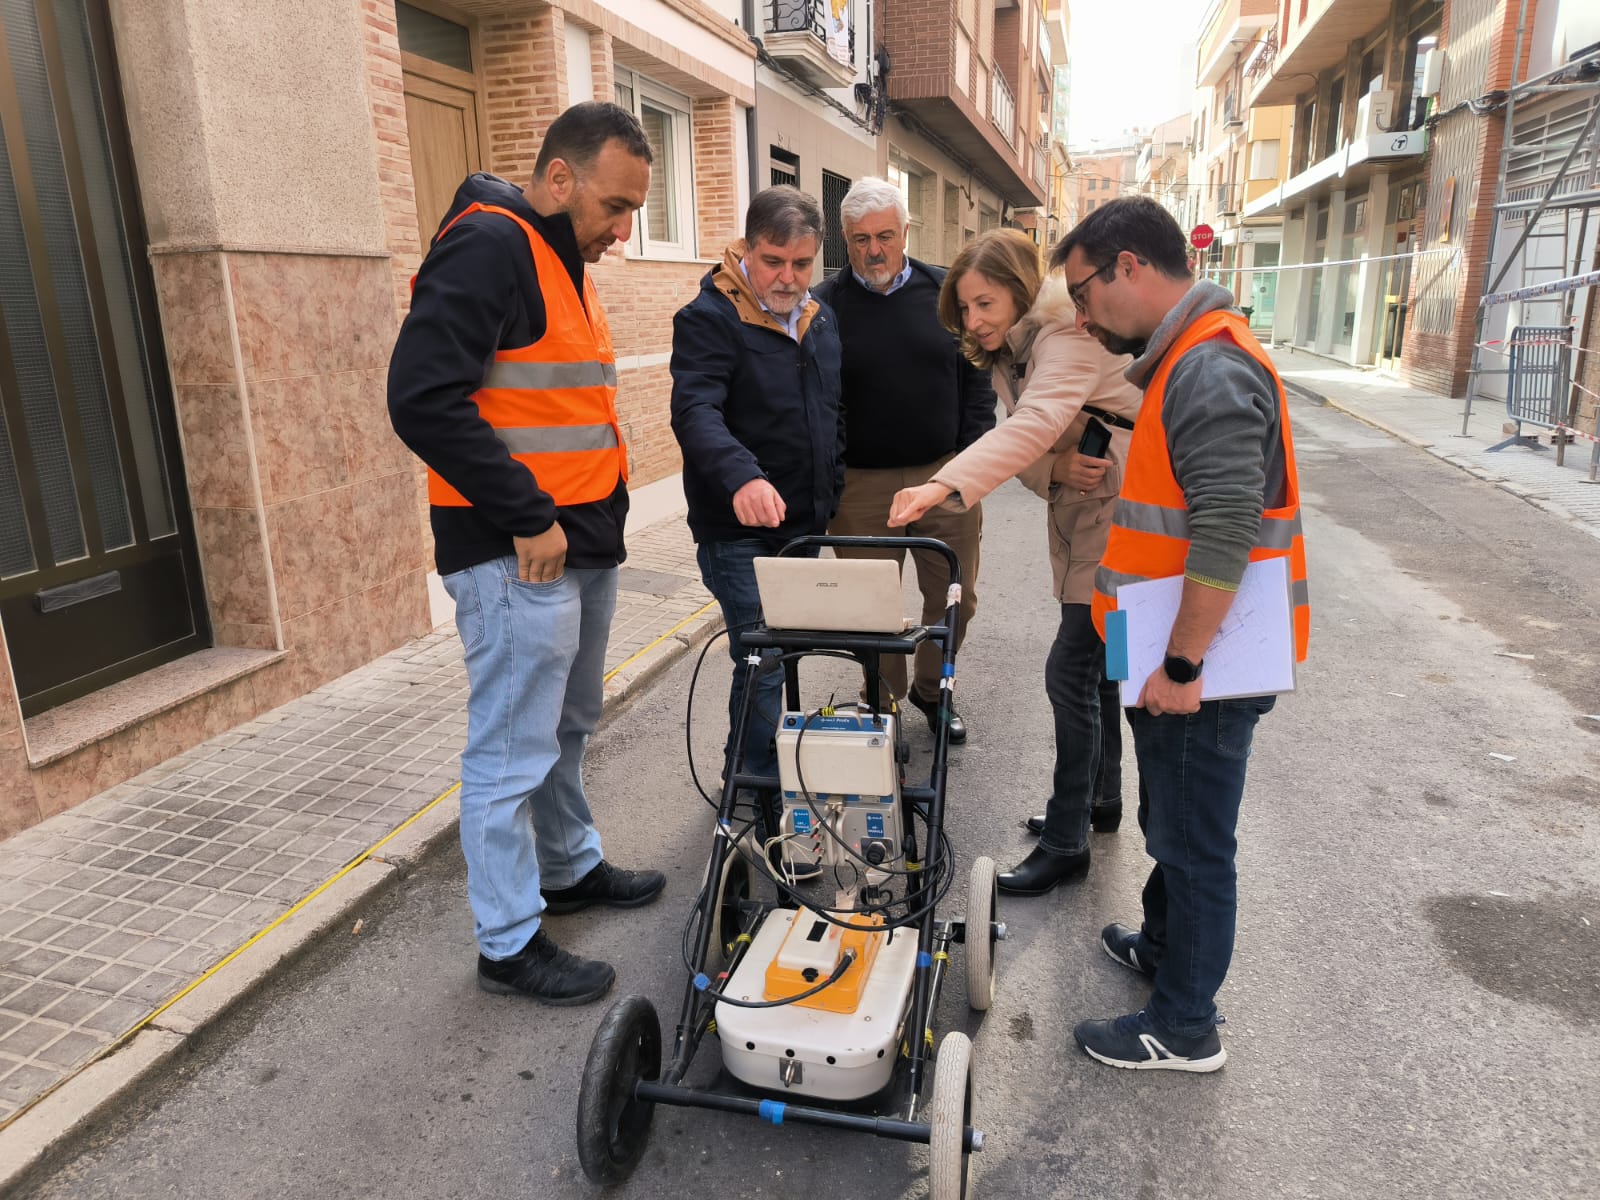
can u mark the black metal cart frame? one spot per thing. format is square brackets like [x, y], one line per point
[625, 1077]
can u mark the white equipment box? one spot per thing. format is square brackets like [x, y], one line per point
[835, 1056]
[846, 765]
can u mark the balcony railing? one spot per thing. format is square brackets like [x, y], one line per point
[1003, 108]
[815, 17]
[1262, 55]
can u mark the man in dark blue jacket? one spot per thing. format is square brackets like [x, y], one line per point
[755, 407]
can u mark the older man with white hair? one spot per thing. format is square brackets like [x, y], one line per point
[911, 403]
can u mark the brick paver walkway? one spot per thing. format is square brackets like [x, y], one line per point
[112, 909]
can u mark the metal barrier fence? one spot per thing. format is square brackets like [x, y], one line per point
[1537, 386]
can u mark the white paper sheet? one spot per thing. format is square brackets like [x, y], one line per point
[1252, 654]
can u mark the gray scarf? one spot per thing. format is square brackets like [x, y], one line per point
[1202, 298]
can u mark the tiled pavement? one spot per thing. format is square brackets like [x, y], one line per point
[1434, 423]
[111, 910]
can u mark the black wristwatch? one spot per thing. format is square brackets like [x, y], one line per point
[1180, 670]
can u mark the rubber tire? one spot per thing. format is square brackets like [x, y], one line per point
[613, 1127]
[949, 1116]
[982, 897]
[734, 878]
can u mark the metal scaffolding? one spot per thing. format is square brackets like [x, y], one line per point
[1548, 191]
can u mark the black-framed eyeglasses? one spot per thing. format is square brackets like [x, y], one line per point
[1079, 292]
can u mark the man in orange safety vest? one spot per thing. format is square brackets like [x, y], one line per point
[1210, 486]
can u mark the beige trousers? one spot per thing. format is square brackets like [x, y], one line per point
[864, 512]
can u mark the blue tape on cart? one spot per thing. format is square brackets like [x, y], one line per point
[924, 960]
[771, 1110]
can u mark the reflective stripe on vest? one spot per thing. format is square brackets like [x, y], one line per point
[1149, 536]
[1277, 533]
[552, 404]
[550, 375]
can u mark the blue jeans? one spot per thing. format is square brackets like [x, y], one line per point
[1191, 780]
[1087, 707]
[728, 571]
[535, 671]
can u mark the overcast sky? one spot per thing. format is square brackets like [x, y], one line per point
[1132, 64]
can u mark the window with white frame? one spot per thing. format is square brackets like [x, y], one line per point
[665, 226]
[1264, 159]
[911, 184]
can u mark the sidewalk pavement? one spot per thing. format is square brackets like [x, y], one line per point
[1433, 423]
[135, 918]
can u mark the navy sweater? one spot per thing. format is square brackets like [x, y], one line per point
[910, 398]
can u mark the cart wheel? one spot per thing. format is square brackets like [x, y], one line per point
[949, 1117]
[613, 1126]
[982, 933]
[732, 887]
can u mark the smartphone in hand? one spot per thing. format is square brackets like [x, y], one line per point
[1096, 440]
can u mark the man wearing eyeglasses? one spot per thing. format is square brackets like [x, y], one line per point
[1210, 486]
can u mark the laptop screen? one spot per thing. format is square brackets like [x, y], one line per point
[859, 595]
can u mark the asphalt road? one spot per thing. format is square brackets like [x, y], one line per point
[1414, 1008]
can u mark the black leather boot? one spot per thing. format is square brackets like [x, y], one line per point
[1103, 818]
[1106, 818]
[1042, 871]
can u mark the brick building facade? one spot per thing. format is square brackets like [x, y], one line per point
[1480, 37]
[253, 194]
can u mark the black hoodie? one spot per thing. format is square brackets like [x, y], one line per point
[477, 293]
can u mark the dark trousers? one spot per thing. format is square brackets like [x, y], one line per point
[728, 571]
[1191, 780]
[1088, 717]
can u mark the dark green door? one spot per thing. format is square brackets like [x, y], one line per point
[98, 575]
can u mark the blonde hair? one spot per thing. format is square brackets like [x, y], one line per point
[1008, 259]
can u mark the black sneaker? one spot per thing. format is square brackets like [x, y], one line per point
[930, 709]
[1128, 947]
[605, 885]
[1139, 1044]
[546, 973]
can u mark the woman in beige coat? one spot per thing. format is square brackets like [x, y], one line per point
[1054, 380]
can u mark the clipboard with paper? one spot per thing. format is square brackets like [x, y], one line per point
[1253, 653]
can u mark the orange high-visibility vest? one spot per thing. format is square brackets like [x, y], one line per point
[1149, 536]
[554, 403]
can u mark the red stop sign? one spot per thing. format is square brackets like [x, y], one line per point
[1202, 236]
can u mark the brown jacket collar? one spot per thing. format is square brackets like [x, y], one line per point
[730, 281]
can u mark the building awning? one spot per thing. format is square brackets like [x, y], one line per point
[1350, 166]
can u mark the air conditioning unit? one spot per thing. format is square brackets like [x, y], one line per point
[1432, 72]
[1374, 114]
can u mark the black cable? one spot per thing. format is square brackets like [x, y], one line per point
[688, 714]
[846, 961]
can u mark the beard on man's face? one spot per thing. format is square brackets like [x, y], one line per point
[1122, 345]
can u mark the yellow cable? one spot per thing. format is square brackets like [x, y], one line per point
[128, 1035]
[638, 654]
[124, 1038]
